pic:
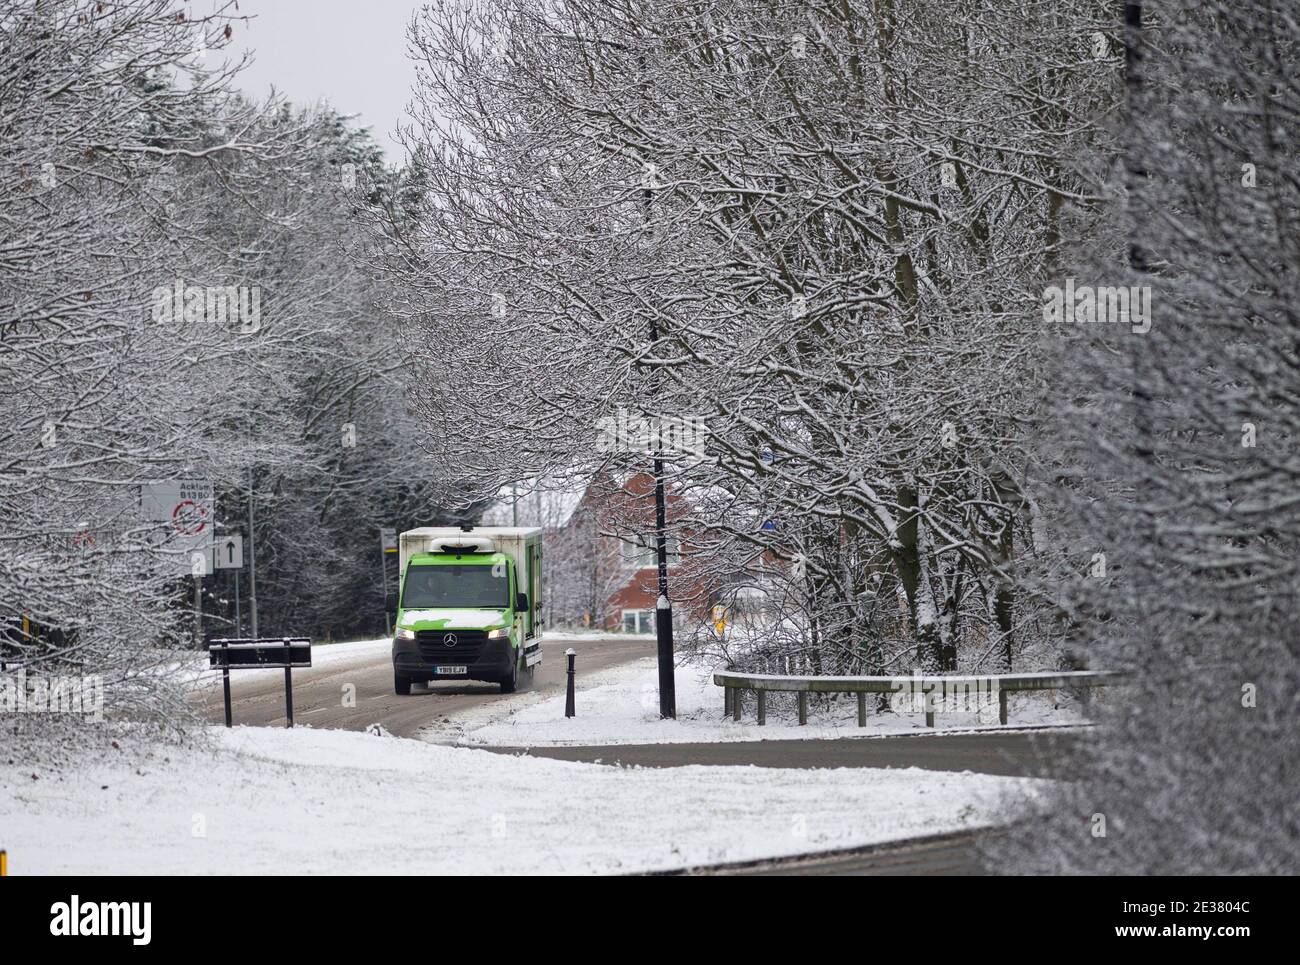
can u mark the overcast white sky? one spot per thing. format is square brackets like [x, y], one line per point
[349, 52]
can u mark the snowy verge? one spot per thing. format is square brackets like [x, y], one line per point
[621, 706]
[304, 801]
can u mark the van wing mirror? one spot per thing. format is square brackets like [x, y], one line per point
[521, 602]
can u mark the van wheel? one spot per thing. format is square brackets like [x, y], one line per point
[401, 684]
[511, 683]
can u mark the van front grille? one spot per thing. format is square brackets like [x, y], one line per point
[451, 646]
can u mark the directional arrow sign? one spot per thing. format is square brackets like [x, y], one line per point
[228, 553]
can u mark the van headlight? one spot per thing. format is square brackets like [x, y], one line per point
[403, 633]
[500, 633]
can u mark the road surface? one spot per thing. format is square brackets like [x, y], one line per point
[1017, 753]
[943, 854]
[318, 693]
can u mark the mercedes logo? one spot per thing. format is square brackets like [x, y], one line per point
[449, 640]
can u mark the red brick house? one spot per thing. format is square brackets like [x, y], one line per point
[601, 564]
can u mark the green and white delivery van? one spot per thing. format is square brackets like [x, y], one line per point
[469, 605]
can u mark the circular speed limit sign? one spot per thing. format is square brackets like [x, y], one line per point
[189, 517]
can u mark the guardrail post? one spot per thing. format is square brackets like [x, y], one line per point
[735, 703]
[726, 701]
[929, 707]
[803, 707]
[1002, 706]
[762, 707]
[862, 708]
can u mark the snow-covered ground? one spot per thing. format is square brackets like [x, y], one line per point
[620, 705]
[303, 801]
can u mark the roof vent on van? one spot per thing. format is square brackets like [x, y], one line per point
[464, 544]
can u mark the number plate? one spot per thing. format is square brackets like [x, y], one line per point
[451, 670]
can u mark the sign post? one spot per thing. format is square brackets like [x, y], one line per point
[225, 676]
[244, 654]
[387, 544]
[200, 564]
[288, 681]
[252, 561]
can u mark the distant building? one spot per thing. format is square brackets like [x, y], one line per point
[601, 564]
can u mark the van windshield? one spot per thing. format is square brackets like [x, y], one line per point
[456, 585]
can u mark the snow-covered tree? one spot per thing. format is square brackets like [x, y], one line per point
[178, 300]
[101, 105]
[818, 233]
[1175, 438]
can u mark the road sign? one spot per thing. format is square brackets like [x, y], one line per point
[184, 509]
[229, 654]
[388, 540]
[228, 553]
[277, 653]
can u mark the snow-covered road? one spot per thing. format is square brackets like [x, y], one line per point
[350, 686]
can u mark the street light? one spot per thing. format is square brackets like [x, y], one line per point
[663, 605]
